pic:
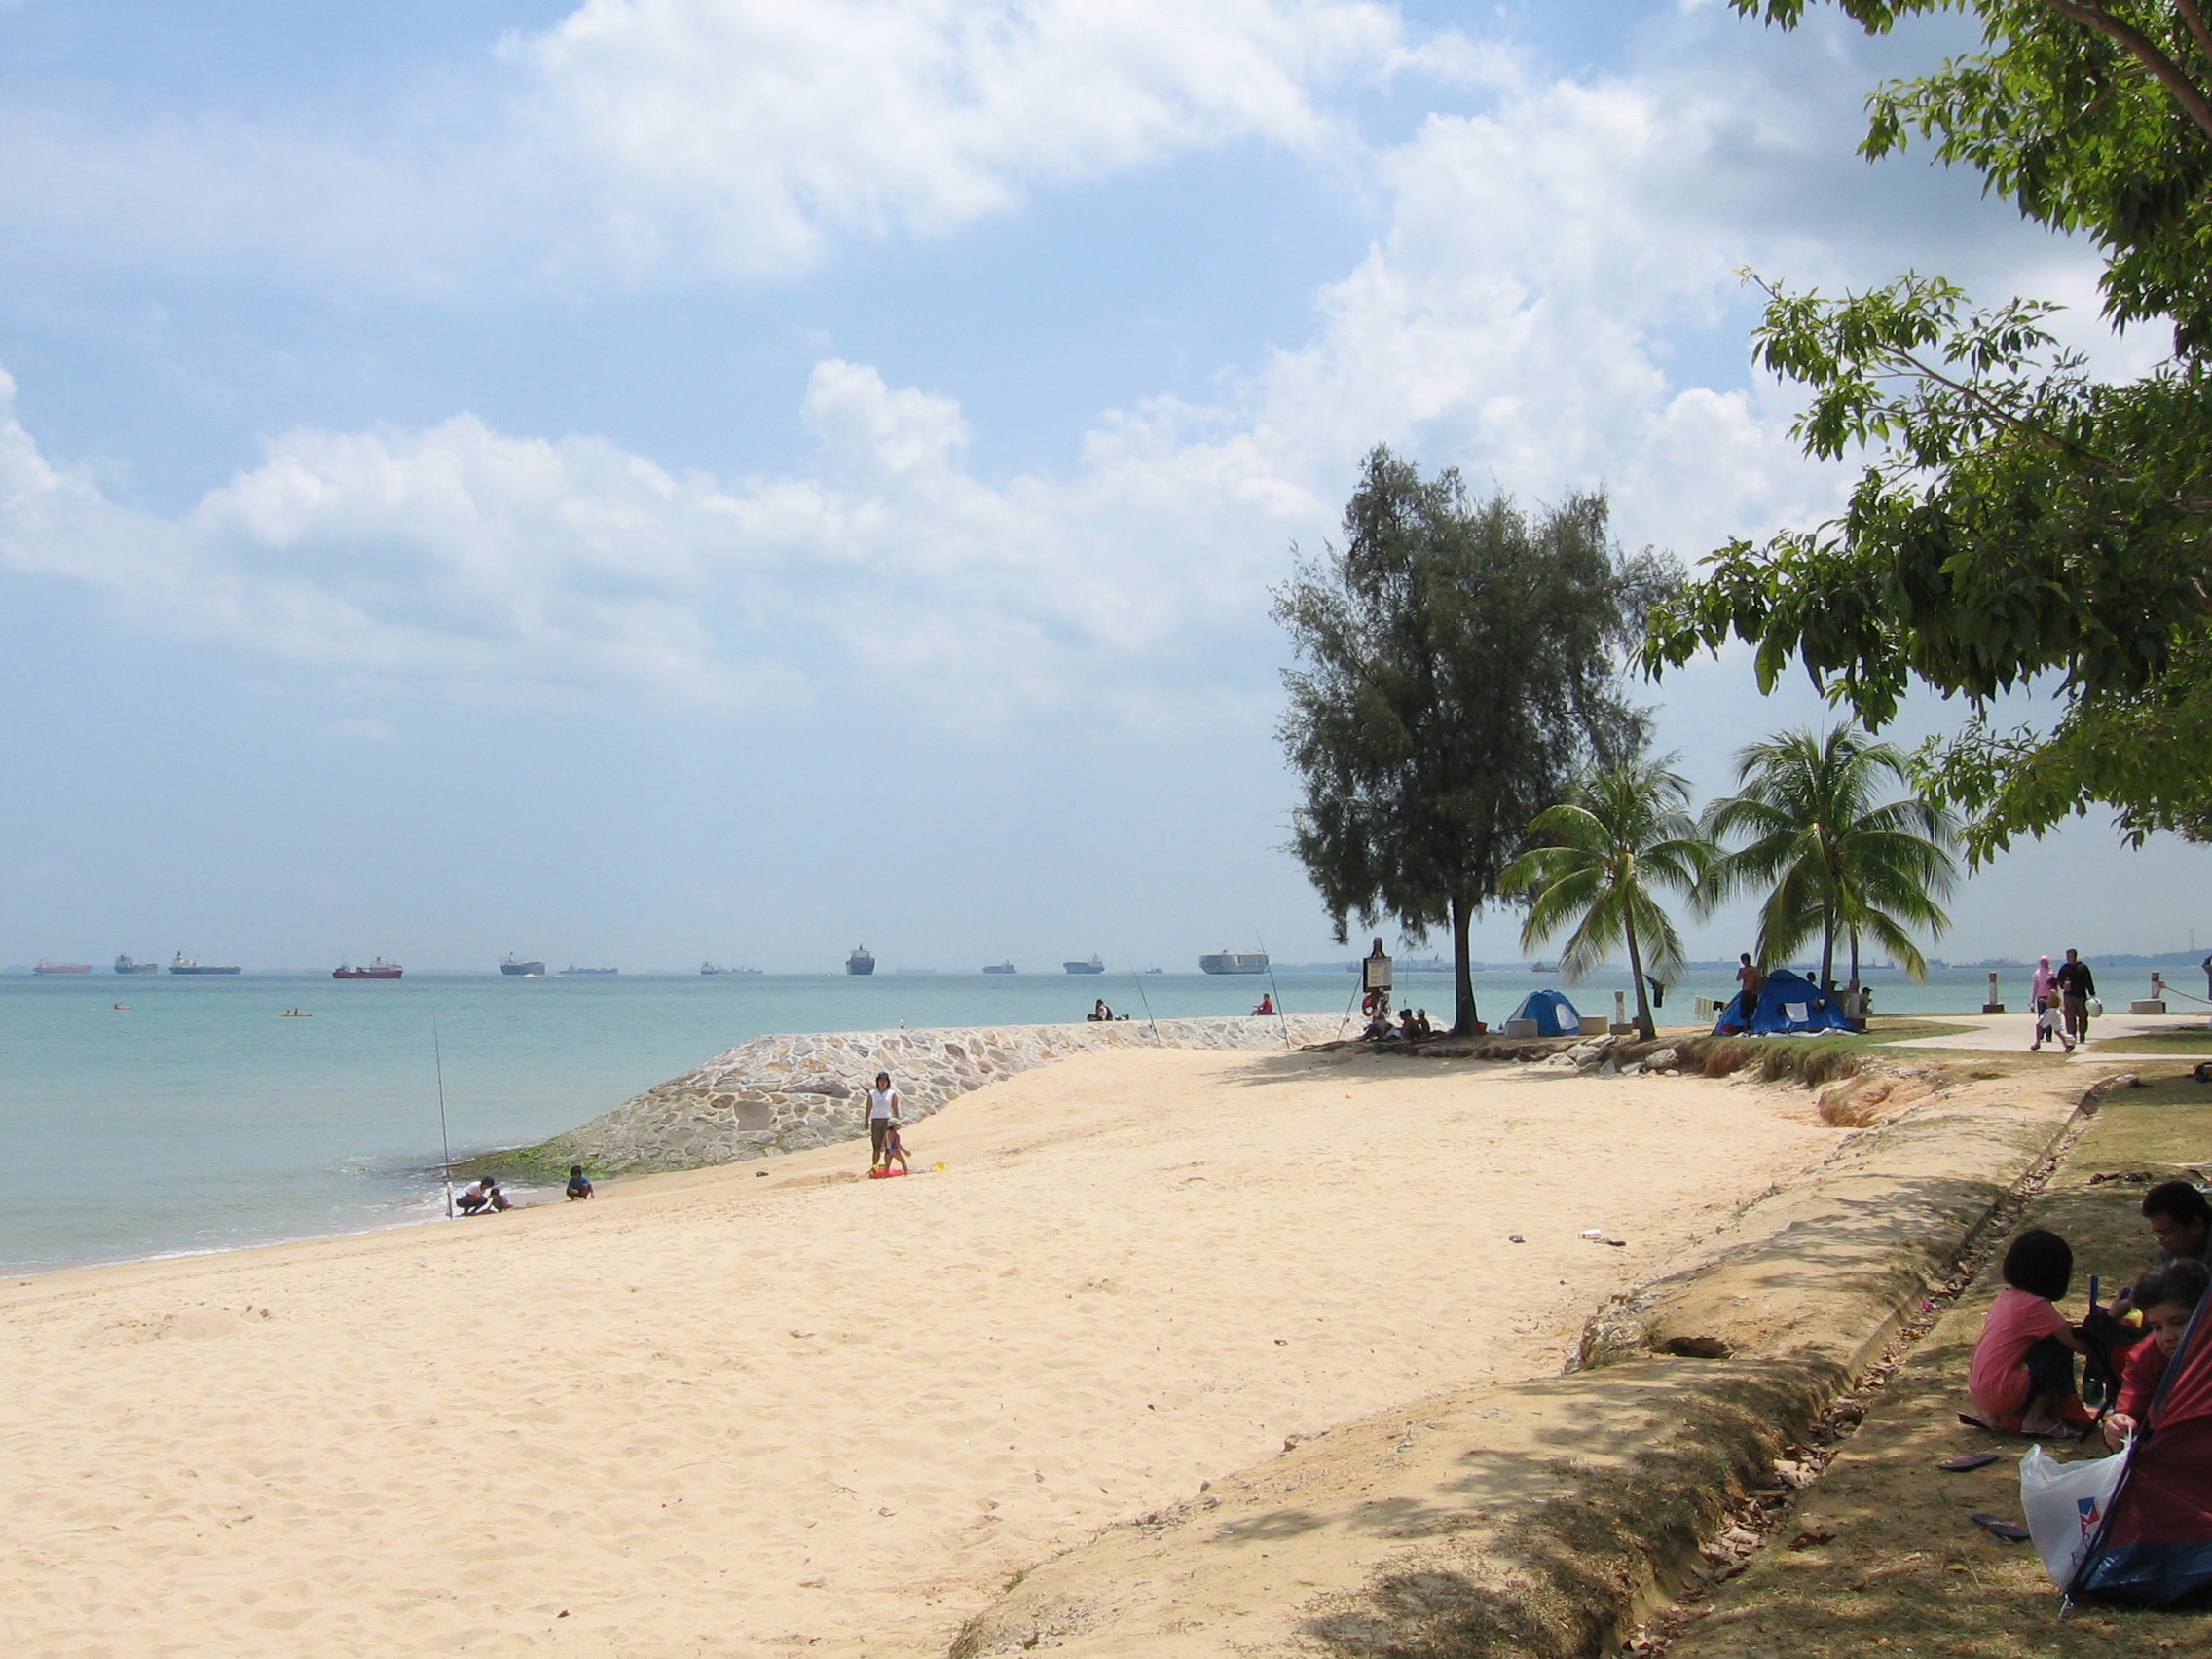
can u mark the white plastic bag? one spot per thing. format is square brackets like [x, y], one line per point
[2095, 1008]
[2065, 1505]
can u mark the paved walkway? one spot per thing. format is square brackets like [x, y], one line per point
[2014, 1031]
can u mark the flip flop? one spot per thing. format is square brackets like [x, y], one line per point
[2011, 1531]
[1972, 1460]
[1972, 1421]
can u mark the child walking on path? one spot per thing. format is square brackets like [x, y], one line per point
[2051, 1024]
[2023, 1376]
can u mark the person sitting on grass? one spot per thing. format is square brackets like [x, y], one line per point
[2168, 1297]
[2023, 1375]
[2180, 1221]
[477, 1198]
[579, 1184]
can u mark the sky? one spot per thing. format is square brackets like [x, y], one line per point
[649, 480]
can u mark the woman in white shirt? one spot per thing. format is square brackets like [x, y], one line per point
[882, 1113]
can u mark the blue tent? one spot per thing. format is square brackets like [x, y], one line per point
[1787, 1002]
[1554, 1015]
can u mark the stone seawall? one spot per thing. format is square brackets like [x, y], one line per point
[787, 1093]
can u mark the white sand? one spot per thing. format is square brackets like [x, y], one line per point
[723, 1414]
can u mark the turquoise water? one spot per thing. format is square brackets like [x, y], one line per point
[199, 1119]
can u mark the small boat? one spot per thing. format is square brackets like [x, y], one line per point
[572, 971]
[295, 1013]
[187, 965]
[119, 1008]
[132, 965]
[860, 962]
[380, 968]
[1234, 962]
[514, 966]
[1093, 966]
[1006, 967]
[1543, 967]
[46, 966]
[1156, 970]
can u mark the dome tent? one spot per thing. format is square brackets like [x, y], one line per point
[1554, 1015]
[1787, 1003]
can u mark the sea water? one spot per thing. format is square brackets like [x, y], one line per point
[192, 1117]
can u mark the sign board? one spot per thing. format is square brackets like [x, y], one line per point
[1375, 972]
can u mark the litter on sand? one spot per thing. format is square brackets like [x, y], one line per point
[2011, 1531]
[1972, 1460]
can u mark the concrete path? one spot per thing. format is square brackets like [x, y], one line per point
[2015, 1032]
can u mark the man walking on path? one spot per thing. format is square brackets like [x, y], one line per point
[2076, 986]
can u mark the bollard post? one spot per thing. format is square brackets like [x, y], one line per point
[1993, 1006]
[2156, 1003]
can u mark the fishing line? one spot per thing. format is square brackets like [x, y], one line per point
[445, 1142]
[1142, 997]
[1276, 989]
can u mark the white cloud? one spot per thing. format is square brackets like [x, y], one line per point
[1520, 317]
[697, 139]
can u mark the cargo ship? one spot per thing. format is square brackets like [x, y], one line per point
[515, 965]
[717, 968]
[1234, 962]
[1006, 967]
[132, 965]
[572, 972]
[1093, 966]
[46, 966]
[186, 965]
[380, 968]
[860, 962]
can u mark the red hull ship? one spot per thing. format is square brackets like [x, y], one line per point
[380, 968]
[46, 966]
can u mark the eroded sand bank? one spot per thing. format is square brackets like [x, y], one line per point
[732, 1412]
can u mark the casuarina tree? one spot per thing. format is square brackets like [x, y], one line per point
[1623, 834]
[1457, 663]
[1827, 858]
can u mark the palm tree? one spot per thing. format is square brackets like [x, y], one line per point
[1831, 861]
[1623, 830]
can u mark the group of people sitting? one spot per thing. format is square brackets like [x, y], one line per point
[1412, 1026]
[1101, 1012]
[484, 1198]
[2022, 1375]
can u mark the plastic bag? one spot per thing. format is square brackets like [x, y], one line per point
[2065, 1505]
[2095, 1008]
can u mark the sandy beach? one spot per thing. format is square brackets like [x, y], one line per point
[771, 1409]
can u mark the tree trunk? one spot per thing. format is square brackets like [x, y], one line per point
[1828, 951]
[1643, 1025]
[1462, 977]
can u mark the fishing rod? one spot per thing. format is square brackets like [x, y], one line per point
[445, 1142]
[1142, 997]
[1275, 989]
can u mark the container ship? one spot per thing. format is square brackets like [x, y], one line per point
[380, 968]
[516, 966]
[186, 965]
[1006, 967]
[860, 962]
[1093, 966]
[46, 966]
[1234, 962]
[572, 972]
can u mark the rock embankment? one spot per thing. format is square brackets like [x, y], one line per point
[787, 1093]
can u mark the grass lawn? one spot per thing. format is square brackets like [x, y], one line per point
[1881, 1556]
[2158, 1043]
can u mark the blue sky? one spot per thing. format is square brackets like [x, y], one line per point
[667, 478]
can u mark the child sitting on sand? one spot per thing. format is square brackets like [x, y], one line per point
[895, 1148]
[2168, 1296]
[2023, 1376]
[579, 1184]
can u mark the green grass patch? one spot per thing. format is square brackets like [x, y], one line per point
[2156, 1043]
[2165, 1124]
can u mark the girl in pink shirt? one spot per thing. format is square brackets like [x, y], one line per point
[2023, 1376]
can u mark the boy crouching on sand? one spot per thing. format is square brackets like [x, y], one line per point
[2023, 1376]
[2168, 1297]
